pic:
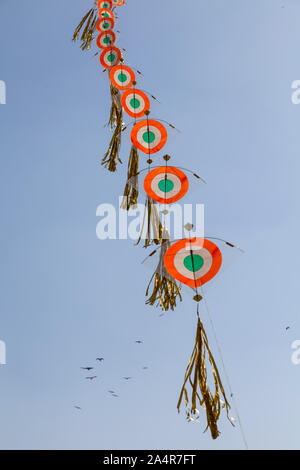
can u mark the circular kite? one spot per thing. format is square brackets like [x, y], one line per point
[193, 262]
[104, 13]
[105, 24]
[105, 40]
[135, 102]
[149, 136]
[107, 4]
[110, 56]
[122, 77]
[166, 184]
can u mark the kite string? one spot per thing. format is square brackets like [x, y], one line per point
[225, 371]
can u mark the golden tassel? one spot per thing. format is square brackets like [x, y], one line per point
[153, 222]
[116, 107]
[131, 191]
[111, 158]
[90, 21]
[196, 375]
[165, 289]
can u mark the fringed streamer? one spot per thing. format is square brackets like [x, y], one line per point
[154, 232]
[116, 108]
[196, 376]
[131, 191]
[111, 158]
[90, 21]
[165, 289]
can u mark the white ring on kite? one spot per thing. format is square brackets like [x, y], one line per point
[137, 97]
[171, 177]
[153, 130]
[183, 253]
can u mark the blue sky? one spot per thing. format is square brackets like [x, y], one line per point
[223, 71]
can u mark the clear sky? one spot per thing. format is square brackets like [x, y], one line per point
[223, 71]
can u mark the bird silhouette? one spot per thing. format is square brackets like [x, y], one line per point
[288, 328]
[91, 378]
[127, 378]
[87, 368]
[77, 407]
[139, 342]
[100, 359]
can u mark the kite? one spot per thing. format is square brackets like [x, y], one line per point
[194, 262]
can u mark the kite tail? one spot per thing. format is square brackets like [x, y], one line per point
[165, 288]
[154, 229]
[196, 376]
[111, 158]
[116, 108]
[131, 191]
[90, 21]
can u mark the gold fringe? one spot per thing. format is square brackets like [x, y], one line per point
[131, 191]
[90, 21]
[165, 289]
[111, 158]
[116, 107]
[196, 375]
[153, 222]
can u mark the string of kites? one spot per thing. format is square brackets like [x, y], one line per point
[191, 261]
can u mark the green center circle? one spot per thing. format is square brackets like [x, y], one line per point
[135, 103]
[111, 58]
[107, 40]
[122, 77]
[166, 185]
[149, 137]
[105, 25]
[105, 14]
[193, 263]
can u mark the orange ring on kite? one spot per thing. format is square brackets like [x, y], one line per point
[137, 93]
[109, 2]
[204, 243]
[186, 244]
[121, 68]
[103, 20]
[106, 33]
[105, 51]
[165, 170]
[144, 148]
[104, 11]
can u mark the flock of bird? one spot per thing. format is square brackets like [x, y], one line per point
[112, 392]
[94, 377]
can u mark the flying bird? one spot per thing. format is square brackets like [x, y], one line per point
[100, 359]
[77, 407]
[111, 391]
[91, 378]
[139, 342]
[87, 368]
[127, 378]
[288, 328]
